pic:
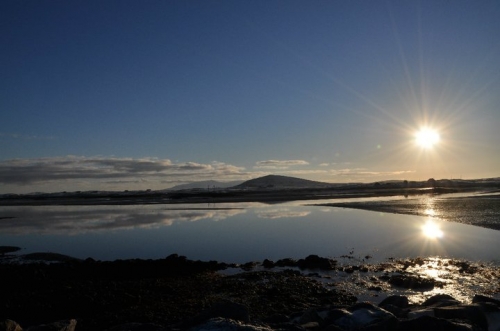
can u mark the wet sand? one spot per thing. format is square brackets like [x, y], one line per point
[479, 210]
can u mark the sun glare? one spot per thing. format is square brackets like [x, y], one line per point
[427, 138]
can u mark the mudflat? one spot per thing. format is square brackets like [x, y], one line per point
[480, 210]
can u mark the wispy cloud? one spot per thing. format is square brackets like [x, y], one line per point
[361, 171]
[361, 174]
[117, 170]
[279, 164]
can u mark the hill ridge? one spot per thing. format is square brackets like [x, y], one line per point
[280, 181]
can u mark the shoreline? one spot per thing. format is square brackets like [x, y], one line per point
[223, 196]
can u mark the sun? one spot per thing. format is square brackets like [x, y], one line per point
[427, 137]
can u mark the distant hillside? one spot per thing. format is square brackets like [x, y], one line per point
[281, 182]
[204, 185]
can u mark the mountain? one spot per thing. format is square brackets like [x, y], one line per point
[204, 185]
[281, 182]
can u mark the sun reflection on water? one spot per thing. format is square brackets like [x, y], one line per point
[431, 230]
[460, 279]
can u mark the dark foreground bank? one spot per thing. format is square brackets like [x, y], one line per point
[178, 294]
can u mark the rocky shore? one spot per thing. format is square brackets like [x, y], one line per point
[313, 293]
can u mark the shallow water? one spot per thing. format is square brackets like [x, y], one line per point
[239, 232]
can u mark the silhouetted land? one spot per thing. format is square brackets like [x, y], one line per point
[268, 193]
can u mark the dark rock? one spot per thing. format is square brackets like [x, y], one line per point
[482, 298]
[67, 325]
[9, 325]
[365, 316]
[384, 278]
[332, 327]
[268, 264]
[375, 288]
[492, 314]
[316, 262]
[175, 257]
[472, 313]
[412, 282]
[395, 300]
[222, 324]
[335, 314]
[288, 262]
[277, 318]
[396, 311]
[483, 314]
[362, 305]
[441, 300]
[224, 309]
[432, 323]
[137, 327]
[465, 267]
[310, 316]
[412, 314]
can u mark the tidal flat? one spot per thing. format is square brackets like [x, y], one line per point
[481, 209]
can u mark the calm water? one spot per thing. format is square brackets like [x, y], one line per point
[239, 232]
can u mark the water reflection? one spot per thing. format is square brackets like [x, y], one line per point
[281, 213]
[238, 232]
[80, 220]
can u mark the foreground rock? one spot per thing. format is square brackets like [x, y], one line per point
[69, 325]
[173, 291]
[440, 313]
[179, 294]
[482, 315]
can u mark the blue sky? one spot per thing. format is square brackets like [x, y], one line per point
[149, 94]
